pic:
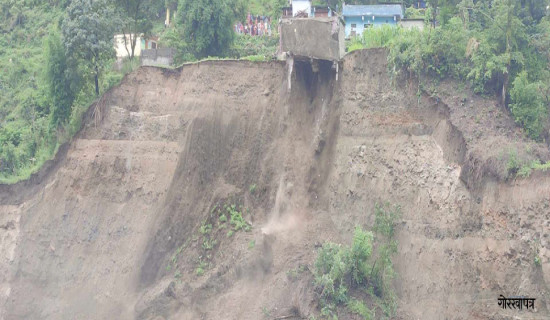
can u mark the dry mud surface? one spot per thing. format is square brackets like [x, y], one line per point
[112, 228]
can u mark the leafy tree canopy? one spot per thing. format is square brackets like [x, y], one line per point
[88, 32]
[136, 20]
[61, 78]
[501, 46]
[207, 25]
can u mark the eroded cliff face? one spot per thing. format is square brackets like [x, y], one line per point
[112, 228]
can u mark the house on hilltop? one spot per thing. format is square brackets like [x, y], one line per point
[305, 9]
[322, 12]
[123, 45]
[287, 12]
[360, 17]
[301, 7]
[147, 50]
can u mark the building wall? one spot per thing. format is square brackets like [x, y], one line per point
[318, 38]
[121, 51]
[360, 23]
[321, 13]
[287, 12]
[157, 57]
[301, 5]
[148, 44]
[141, 44]
[410, 24]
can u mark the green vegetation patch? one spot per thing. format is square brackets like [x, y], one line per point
[498, 47]
[522, 166]
[45, 87]
[344, 273]
[227, 216]
[254, 46]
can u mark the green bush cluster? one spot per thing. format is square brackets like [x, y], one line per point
[27, 138]
[236, 218]
[220, 215]
[365, 265]
[271, 8]
[376, 37]
[47, 59]
[246, 47]
[528, 106]
[171, 38]
[201, 267]
[497, 46]
[337, 266]
[359, 307]
[212, 227]
[523, 166]
[420, 13]
[438, 52]
[254, 46]
[535, 165]
[42, 92]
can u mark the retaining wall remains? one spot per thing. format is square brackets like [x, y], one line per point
[157, 57]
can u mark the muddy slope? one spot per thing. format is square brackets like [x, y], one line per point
[113, 230]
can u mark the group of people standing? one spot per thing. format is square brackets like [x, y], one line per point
[254, 26]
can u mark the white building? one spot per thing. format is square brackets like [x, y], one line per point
[124, 48]
[301, 5]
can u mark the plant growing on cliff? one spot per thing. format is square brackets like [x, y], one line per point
[499, 46]
[249, 46]
[201, 267]
[359, 307]
[528, 105]
[366, 264]
[61, 77]
[236, 219]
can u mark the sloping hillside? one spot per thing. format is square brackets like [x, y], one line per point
[126, 222]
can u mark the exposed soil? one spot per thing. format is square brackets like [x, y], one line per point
[114, 227]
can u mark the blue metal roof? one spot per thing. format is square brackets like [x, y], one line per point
[379, 10]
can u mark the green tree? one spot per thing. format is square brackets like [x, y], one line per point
[503, 41]
[61, 85]
[207, 26]
[171, 4]
[532, 11]
[136, 21]
[434, 5]
[464, 8]
[271, 8]
[8, 159]
[528, 105]
[88, 31]
[14, 12]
